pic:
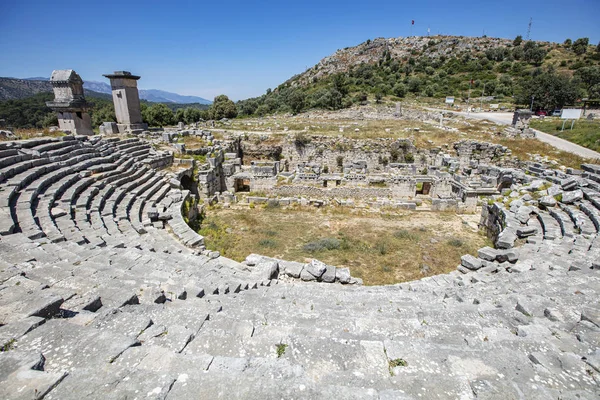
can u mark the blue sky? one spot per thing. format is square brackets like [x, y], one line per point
[241, 48]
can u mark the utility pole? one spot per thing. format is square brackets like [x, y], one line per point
[531, 108]
[469, 96]
[481, 100]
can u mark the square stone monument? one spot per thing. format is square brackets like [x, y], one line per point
[127, 101]
[69, 102]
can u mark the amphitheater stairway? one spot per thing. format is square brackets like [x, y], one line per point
[98, 301]
[441, 340]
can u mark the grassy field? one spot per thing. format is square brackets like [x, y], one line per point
[379, 247]
[585, 133]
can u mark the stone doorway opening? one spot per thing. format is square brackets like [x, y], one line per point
[242, 185]
[423, 188]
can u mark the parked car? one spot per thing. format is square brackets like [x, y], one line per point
[541, 113]
[556, 113]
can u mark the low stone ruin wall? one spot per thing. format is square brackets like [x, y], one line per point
[329, 151]
[444, 205]
[336, 192]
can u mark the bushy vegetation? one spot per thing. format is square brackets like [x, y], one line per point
[322, 244]
[520, 70]
[158, 114]
[32, 112]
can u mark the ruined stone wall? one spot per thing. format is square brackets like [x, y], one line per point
[482, 152]
[444, 204]
[441, 188]
[326, 151]
[492, 221]
[336, 192]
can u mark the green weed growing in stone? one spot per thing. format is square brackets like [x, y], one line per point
[8, 345]
[281, 349]
[398, 362]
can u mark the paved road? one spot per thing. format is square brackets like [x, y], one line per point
[561, 144]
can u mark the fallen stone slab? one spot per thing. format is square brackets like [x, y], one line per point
[510, 255]
[547, 201]
[526, 231]
[487, 253]
[470, 262]
[24, 376]
[307, 276]
[568, 184]
[342, 275]
[268, 269]
[524, 307]
[572, 197]
[329, 274]
[316, 268]
[291, 268]
[591, 315]
[506, 239]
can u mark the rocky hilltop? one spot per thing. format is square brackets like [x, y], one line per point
[401, 48]
[11, 88]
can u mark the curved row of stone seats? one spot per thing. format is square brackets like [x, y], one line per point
[28, 199]
[82, 321]
[136, 207]
[43, 148]
[106, 200]
[91, 202]
[569, 226]
[329, 341]
[122, 211]
[150, 207]
[180, 228]
[32, 177]
[118, 179]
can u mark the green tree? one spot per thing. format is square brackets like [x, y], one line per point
[191, 115]
[580, 46]
[339, 83]
[247, 107]
[414, 85]
[222, 107]
[296, 101]
[533, 54]
[568, 43]
[518, 40]
[589, 77]
[179, 115]
[378, 95]
[158, 114]
[399, 89]
[104, 114]
[50, 120]
[551, 91]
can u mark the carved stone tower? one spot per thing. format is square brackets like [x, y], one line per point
[127, 101]
[69, 102]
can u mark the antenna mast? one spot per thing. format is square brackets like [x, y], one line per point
[529, 28]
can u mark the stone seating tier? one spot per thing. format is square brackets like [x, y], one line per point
[107, 304]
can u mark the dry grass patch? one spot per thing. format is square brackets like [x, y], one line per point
[34, 133]
[379, 247]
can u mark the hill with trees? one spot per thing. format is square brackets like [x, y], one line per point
[438, 66]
